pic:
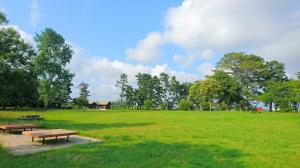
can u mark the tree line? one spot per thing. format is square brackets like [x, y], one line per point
[152, 92]
[33, 77]
[240, 82]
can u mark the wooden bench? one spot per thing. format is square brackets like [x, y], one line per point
[31, 117]
[42, 134]
[11, 127]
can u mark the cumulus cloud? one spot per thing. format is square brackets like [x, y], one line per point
[28, 38]
[224, 26]
[102, 73]
[147, 50]
[206, 68]
[207, 55]
[34, 13]
[284, 49]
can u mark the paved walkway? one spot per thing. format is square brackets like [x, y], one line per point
[18, 144]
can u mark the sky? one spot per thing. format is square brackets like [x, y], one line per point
[182, 38]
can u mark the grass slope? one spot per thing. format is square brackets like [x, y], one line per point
[168, 139]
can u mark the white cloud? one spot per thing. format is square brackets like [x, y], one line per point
[192, 57]
[34, 13]
[285, 49]
[234, 25]
[102, 73]
[184, 61]
[147, 50]
[207, 55]
[206, 68]
[28, 38]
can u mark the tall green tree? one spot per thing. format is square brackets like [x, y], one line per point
[158, 90]
[298, 75]
[122, 83]
[210, 89]
[130, 96]
[84, 90]
[82, 100]
[230, 90]
[145, 90]
[3, 19]
[165, 85]
[249, 71]
[195, 96]
[18, 86]
[275, 72]
[50, 64]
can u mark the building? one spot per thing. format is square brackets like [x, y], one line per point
[101, 105]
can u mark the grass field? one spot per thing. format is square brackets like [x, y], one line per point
[168, 139]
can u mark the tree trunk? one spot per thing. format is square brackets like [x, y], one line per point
[210, 106]
[270, 106]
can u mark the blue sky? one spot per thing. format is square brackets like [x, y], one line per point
[105, 27]
[183, 38]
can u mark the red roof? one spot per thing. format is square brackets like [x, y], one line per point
[259, 109]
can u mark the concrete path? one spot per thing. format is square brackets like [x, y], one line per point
[17, 144]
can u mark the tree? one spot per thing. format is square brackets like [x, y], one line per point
[165, 85]
[129, 95]
[3, 19]
[18, 85]
[54, 79]
[230, 90]
[184, 105]
[275, 72]
[82, 100]
[84, 92]
[249, 71]
[210, 88]
[295, 94]
[157, 100]
[122, 84]
[285, 95]
[298, 75]
[195, 96]
[145, 90]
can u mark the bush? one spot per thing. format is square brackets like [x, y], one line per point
[184, 105]
[79, 103]
[148, 104]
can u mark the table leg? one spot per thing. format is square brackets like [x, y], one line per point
[32, 139]
[9, 131]
[43, 141]
[30, 129]
[67, 138]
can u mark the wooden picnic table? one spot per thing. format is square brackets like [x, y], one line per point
[11, 127]
[42, 134]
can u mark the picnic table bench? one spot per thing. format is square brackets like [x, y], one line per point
[42, 134]
[11, 127]
[31, 117]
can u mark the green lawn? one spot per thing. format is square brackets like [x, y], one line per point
[168, 139]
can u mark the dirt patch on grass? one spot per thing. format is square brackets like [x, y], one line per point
[17, 144]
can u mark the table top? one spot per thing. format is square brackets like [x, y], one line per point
[18, 126]
[49, 133]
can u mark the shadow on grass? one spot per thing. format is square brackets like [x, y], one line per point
[87, 126]
[63, 124]
[147, 154]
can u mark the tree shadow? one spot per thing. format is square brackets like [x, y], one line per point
[86, 126]
[146, 154]
[64, 124]
[157, 154]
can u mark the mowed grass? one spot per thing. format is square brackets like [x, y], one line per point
[167, 139]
